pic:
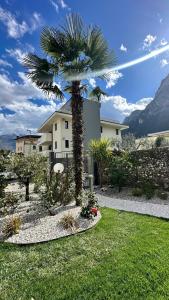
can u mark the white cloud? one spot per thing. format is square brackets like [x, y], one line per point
[163, 42]
[92, 82]
[16, 29]
[27, 115]
[19, 54]
[148, 41]
[123, 106]
[55, 5]
[4, 63]
[164, 62]
[16, 53]
[123, 48]
[113, 78]
[63, 4]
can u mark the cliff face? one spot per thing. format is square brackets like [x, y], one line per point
[155, 117]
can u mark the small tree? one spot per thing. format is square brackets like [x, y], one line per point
[101, 152]
[26, 167]
[130, 143]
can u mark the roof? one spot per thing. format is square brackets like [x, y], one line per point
[28, 136]
[165, 133]
[66, 110]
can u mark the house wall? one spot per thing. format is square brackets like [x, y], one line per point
[25, 146]
[19, 146]
[62, 134]
[109, 131]
[92, 127]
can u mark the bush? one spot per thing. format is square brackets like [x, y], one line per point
[137, 192]
[162, 195]
[12, 226]
[148, 190]
[8, 202]
[69, 222]
[119, 170]
[59, 189]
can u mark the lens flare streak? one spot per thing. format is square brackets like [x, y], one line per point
[129, 64]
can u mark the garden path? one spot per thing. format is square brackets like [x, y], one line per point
[145, 208]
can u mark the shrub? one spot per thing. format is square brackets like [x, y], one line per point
[148, 190]
[160, 140]
[119, 170]
[162, 195]
[69, 222]
[8, 202]
[59, 189]
[137, 192]
[12, 226]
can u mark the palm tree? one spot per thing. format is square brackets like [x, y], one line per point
[97, 92]
[70, 50]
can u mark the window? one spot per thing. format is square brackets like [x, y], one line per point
[56, 127]
[66, 143]
[117, 131]
[50, 147]
[101, 129]
[40, 148]
[56, 145]
[66, 124]
[34, 147]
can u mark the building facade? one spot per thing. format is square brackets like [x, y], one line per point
[27, 144]
[56, 131]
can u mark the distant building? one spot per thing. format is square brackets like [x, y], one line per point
[27, 144]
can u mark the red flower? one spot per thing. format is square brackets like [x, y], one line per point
[94, 211]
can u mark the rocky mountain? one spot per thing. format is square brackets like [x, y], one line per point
[7, 141]
[155, 117]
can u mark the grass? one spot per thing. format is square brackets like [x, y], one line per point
[126, 256]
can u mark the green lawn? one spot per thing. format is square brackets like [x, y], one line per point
[126, 256]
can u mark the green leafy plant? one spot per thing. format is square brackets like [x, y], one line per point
[162, 195]
[101, 152]
[137, 192]
[160, 140]
[59, 189]
[12, 226]
[148, 190]
[28, 167]
[120, 166]
[8, 202]
[91, 209]
[69, 222]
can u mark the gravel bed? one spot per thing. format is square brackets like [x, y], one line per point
[38, 226]
[126, 194]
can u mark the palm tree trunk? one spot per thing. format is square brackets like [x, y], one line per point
[77, 136]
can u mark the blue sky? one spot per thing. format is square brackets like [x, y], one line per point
[132, 29]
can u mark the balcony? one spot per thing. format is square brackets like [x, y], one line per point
[45, 139]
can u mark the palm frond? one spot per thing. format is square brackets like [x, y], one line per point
[42, 72]
[53, 42]
[97, 49]
[97, 92]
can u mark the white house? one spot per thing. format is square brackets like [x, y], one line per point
[56, 131]
[27, 144]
